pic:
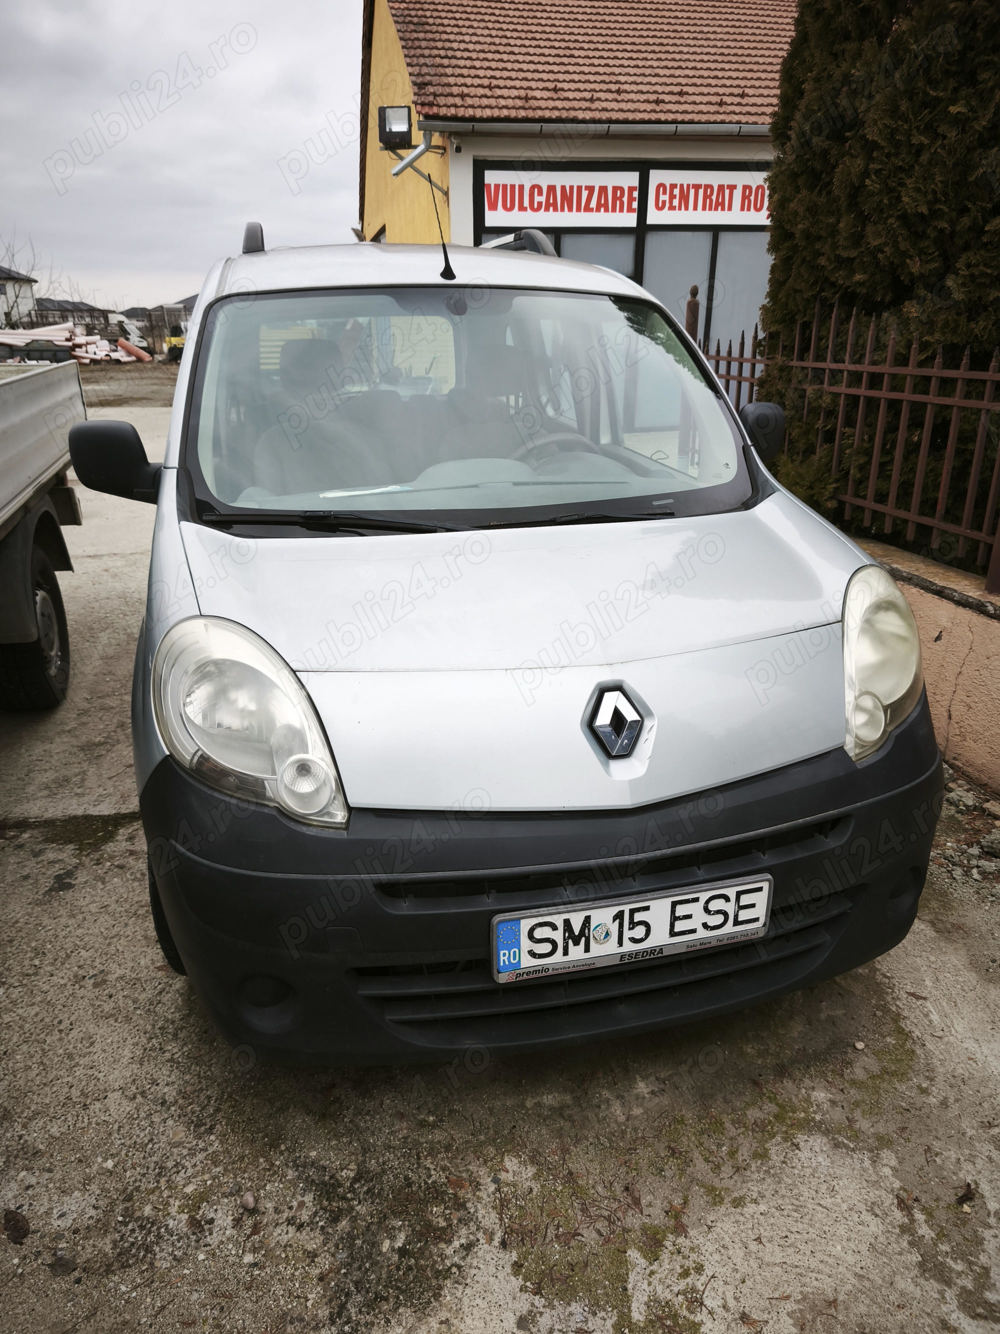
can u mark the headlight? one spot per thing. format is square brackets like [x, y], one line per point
[882, 676]
[232, 711]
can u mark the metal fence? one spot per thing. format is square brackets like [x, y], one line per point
[739, 369]
[913, 450]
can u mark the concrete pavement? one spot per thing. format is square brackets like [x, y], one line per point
[828, 1162]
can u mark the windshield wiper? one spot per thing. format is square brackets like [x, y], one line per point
[360, 524]
[327, 521]
[584, 516]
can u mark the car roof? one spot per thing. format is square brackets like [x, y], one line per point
[371, 264]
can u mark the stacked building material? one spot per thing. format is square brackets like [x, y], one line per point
[84, 347]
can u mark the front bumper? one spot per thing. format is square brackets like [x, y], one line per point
[374, 944]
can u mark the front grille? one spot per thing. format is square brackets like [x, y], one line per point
[635, 873]
[458, 1002]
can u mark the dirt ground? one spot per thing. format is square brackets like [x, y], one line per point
[828, 1163]
[118, 384]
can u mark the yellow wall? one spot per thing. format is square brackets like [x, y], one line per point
[403, 206]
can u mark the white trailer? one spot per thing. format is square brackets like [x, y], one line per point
[38, 405]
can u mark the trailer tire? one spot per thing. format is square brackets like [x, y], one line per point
[36, 676]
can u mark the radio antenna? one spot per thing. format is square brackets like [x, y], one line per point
[448, 273]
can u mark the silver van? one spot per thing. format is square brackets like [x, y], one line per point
[491, 694]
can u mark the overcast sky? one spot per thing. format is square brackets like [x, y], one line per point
[137, 140]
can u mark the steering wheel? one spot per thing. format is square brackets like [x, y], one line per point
[553, 442]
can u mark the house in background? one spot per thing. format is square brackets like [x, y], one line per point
[61, 310]
[17, 297]
[633, 135]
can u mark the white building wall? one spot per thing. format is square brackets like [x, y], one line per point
[17, 301]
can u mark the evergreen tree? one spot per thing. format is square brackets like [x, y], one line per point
[885, 190]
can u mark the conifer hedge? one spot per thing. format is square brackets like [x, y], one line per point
[885, 190]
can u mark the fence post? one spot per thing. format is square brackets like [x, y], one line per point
[901, 433]
[756, 347]
[925, 444]
[740, 357]
[883, 414]
[838, 433]
[982, 436]
[993, 573]
[949, 453]
[831, 349]
[808, 384]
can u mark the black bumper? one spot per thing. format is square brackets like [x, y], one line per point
[374, 944]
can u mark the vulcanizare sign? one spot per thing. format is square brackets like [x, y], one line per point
[561, 198]
[678, 196]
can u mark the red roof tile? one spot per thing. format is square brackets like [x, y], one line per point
[662, 61]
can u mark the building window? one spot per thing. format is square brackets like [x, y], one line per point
[674, 262]
[739, 285]
[615, 250]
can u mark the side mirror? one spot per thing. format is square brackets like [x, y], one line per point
[109, 456]
[765, 425]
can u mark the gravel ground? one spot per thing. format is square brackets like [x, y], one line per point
[827, 1162]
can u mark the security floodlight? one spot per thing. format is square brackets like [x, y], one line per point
[395, 128]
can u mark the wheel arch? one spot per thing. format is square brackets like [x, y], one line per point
[48, 535]
[38, 527]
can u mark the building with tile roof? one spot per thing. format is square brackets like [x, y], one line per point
[633, 134]
[627, 62]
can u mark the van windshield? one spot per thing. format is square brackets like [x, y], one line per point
[472, 405]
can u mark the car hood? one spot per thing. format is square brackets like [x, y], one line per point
[485, 600]
[461, 670]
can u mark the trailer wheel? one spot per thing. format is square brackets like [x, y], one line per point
[36, 676]
[162, 927]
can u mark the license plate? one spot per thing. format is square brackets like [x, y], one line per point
[602, 935]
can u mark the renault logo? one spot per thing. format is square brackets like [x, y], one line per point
[616, 723]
